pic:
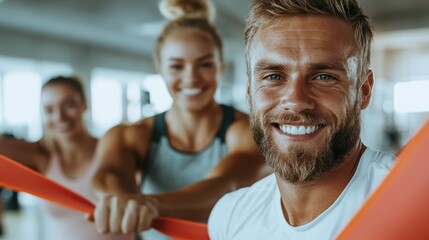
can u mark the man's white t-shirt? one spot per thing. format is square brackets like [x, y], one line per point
[256, 212]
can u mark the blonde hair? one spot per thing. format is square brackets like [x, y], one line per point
[265, 11]
[187, 14]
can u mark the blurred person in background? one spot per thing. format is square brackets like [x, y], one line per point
[65, 154]
[190, 155]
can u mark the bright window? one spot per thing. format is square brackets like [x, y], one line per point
[411, 97]
[21, 104]
[20, 86]
[21, 92]
[125, 96]
[134, 110]
[106, 101]
[159, 95]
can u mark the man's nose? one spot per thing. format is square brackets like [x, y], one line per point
[296, 96]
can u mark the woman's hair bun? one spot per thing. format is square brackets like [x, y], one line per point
[175, 9]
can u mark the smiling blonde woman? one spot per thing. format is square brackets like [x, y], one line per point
[190, 155]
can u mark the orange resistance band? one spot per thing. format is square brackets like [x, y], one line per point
[398, 209]
[20, 178]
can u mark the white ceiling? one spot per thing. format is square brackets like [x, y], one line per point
[116, 23]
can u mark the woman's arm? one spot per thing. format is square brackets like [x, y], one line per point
[29, 154]
[130, 211]
[116, 163]
[119, 201]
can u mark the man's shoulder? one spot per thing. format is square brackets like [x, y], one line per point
[237, 206]
[378, 159]
[373, 167]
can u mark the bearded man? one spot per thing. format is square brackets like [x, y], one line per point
[309, 79]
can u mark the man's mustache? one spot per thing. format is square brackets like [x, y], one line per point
[309, 118]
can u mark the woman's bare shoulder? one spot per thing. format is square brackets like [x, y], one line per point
[135, 134]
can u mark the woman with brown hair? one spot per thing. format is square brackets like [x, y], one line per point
[65, 154]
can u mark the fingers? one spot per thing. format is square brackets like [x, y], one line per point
[102, 214]
[131, 217]
[123, 214]
[117, 209]
[146, 216]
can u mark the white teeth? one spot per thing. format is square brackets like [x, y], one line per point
[191, 91]
[298, 130]
[301, 130]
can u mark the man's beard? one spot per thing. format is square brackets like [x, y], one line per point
[304, 163]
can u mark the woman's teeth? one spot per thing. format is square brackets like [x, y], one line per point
[191, 91]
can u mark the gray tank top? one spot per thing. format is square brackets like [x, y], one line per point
[167, 169]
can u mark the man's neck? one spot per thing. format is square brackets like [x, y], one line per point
[302, 203]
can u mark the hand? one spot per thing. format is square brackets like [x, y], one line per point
[124, 213]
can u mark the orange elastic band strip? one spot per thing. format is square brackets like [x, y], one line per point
[399, 208]
[20, 178]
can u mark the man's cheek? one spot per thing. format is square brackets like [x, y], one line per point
[263, 100]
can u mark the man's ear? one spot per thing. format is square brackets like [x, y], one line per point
[366, 89]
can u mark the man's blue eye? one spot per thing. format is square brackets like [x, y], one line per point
[274, 77]
[324, 77]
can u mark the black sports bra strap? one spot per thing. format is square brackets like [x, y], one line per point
[228, 117]
[158, 128]
[228, 112]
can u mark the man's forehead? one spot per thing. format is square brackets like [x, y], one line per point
[315, 34]
[291, 27]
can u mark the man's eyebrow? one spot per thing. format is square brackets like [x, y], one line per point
[328, 65]
[265, 65]
[270, 66]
